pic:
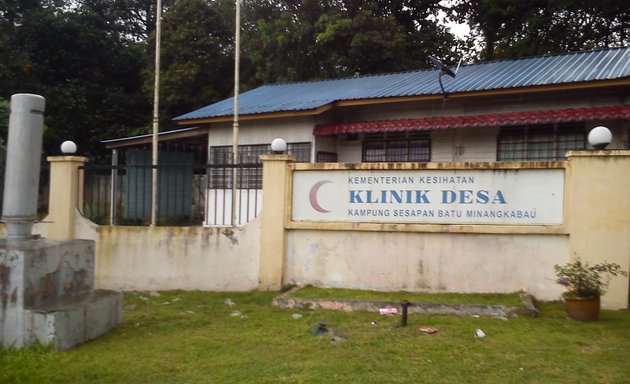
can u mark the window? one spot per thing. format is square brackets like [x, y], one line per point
[540, 142]
[326, 157]
[301, 151]
[249, 169]
[396, 147]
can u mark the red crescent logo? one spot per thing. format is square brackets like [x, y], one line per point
[312, 196]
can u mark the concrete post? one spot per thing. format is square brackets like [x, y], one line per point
[24, 147]
[598, 218]
[273, 243]
[64, 196]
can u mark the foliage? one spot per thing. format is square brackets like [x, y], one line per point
[515, 28]
[314, 40]
[197, 55]
[132, 19]
[90, 78]
[192, 337]
[587, 280]
[4, 119]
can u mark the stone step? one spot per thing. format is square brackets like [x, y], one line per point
[70, 322]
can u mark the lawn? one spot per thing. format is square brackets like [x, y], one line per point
[195, 337]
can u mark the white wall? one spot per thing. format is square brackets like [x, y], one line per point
[461, 145]
[428, 262]
[349, 151]
[166, 258]
[293, 130]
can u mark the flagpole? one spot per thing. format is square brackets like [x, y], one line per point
[237, 54]
[156, 116]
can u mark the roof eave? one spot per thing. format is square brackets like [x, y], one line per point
[164, 136]
[388, 100]
[257, 116]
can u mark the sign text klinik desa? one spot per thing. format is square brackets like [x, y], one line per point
[515, 197]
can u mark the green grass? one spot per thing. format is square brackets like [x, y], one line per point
[509, 300]
[192, 337]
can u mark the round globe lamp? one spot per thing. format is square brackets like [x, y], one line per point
[599, 137]
[278, 146]
[68, 147]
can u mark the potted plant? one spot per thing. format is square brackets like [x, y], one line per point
[585, 284]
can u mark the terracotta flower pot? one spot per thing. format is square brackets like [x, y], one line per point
[583, 308]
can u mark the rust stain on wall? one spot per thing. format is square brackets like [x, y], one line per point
[229, 233]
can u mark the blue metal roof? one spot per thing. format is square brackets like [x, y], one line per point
[575, 67]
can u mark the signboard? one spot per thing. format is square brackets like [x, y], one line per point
[510, 197]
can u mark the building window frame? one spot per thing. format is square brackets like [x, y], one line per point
[396, 147]
[326, 157]
[250, 172]
[541, 142]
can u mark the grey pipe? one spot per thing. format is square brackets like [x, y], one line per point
[24, 152]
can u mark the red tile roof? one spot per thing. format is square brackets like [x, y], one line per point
[488, 120]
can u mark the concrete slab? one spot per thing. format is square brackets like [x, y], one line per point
[287, 301]
[47, 294]
[69, 323]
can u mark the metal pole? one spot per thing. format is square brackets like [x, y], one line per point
[114, 185]
[405, 310]
[237, 55]
[156, 115]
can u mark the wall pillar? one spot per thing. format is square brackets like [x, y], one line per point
[64, 197]
[273, 242]
[599, 214]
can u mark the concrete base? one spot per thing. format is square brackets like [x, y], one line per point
[65, 325]
[288, 302]
[47, 294]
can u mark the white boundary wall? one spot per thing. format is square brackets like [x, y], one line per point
[275, 249]
[427, 262]
[166, 258]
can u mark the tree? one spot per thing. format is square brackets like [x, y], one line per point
[282, 47]
[514, 28]
[132, 19]
[360, 45]
[197, 55]
[313, 40]
[4, 122]
[89, 77]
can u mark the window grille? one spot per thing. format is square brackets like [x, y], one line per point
[249, 170]
[397, 147]
[540, 142]
[301, 151]
[326, 157]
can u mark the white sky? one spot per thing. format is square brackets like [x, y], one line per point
[459, 30]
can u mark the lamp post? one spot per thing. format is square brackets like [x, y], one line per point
[156, 115]
[237, 55]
